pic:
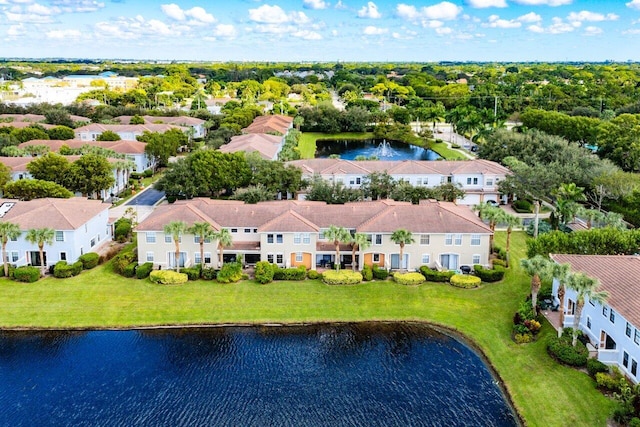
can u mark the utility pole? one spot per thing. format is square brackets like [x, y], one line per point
[495, 108]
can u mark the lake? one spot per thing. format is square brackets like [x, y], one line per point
[382, 149]
[324, 375]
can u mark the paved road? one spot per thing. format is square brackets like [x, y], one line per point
[149, 197]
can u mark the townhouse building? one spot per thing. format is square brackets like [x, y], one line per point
[197, 125]
[91, 131]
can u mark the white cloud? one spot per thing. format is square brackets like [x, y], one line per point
[315, 4]
[408, 12]
[374, 31]
[79, 6]
[496, 22]
[17, 30]
[529, 17]
[340, 6]
[200, 15]
[634, 4]
[592, 31]
[173, 11]
[585, 15]
[445, 11]
[18, 16]
[226, 31]
[369, 11]
[266, 14]
[63, 34]
[307, 35]
[543, 2]
[535, 28]
[197, 14]
[558, 26]
[481, 4]
[443, 31]
[137, 27]
[632, 32]
[38, 9]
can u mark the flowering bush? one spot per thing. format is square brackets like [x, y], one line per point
[465, 281]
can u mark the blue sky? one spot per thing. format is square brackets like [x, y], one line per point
[323, 30]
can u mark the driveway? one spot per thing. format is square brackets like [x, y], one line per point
[148, 197]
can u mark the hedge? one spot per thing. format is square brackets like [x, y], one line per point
[341, 277]
[11, 269]
[76, 268]
[367, 273]
[230, 272]
[295, 273]
[264, 272]
[89, 260]
[62, 270]
[562, 350]
[412, 278]
[313, 274]
[379, 273]
[487, 275]
[209, 273]
[168, 277]
[143, 270]
[465, 281]
[122, 260]
[27, 274]
[435, 276]
[130, 270]
[595, 366]
[193, 273]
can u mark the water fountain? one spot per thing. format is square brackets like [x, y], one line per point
[384, 150]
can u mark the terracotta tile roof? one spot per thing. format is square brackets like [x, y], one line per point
[16, 164]
[177, 120]
[98, 127]
[289, 221]
[618, 275]
[122, 146]
[178, 211]
[266, 145]
[268, 124]
[59, 214]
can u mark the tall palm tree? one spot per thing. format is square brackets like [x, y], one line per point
[337, 235]
[561, 273]
[8, 231]
[359, 242]
[510, 221]
[204, 231]
[225, 240]
[176, 229]
[538, 268]
[585, 287]
[40, 236]
[402, 237]
[488, 212]
[435, 114]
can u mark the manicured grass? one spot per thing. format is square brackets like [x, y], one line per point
[307, 143]
[545, 393]
[447, 153]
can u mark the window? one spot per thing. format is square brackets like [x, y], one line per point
[489, 182]
[376, 258]
[93, 242]
[612, 316]
[297, 238]
[628, 330]
[196, 258]
[448, 239]
[149, 256]
[377, 239]
[588, 322]
[636, 337]
[60, 236]
[269, 238]
[247, 230]
[234, 230]
[270, 258]
[604, 310]
[15, 255]
[196, 239]
[426, 259]
[279, 258]
[458, 240]
[298, 256]
[425, 239]
[321, 234]
[306, 238]
[475, 259]
[255, 230]
[475, 240]
[207, 257]
[634, 367]
[167, 238]
[473, 181]
[625, 359]
[14, 239]
[279, 238]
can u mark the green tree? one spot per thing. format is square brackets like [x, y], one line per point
[402, 237]
[163, 145]
[378, 185]
[58, 116]
[225, 240]
[29, 133]
[585, 288]
[136, 120]
[337, 235]
[176, 229]
[50, 167]
[90, 174]
[448, 192]
[510, 221]
[8, 231]
[62, 133]
[359, 242]
[40, 237]
[108, 135]
[538, 268]
[204, 231]
[5, 175]
[561, 273]
[253, 194]
[29, 189]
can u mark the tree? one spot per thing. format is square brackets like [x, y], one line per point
[225, 239]
[298, 121]
[8, 231]
[253, 194]
[136, 120]
[378, 185]
[176, 229]
[40, 237]
[448, 192]
[435, 114]
[29, 133]
[585, 288]
[58, 116]
[561, 273]
[61, 133]
[50, 167]
[29, 189]
[359, 242]
[538, 268]
[90, 174]
[108, 135]
[161, 146]
[337, 235]
[204, 231]
[5, 175]
[510, 221]
[402, 237]
[493, 214]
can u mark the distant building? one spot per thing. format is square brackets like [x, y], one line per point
[92, 131]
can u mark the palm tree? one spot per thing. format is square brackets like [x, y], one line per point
[402, 237]
[8, 231]
[435, 114]
[40, 236]
[591, 215]
[585, 287]
[538, 268]
[225, 240]
[510, 221]
[204, 231]
[359, 241]
[298, 121]
[176, 229]
[493, 214]
[561, 273]
[337, 235]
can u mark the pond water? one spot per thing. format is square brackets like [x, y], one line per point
[382, 149]
[330, 375]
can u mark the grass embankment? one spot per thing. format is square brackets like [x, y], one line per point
[447, 153]
[307, 143]
[545, 393]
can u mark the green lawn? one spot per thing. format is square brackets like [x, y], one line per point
[307, 143]
[544, 392]
[447, 153]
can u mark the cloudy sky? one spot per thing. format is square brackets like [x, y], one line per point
[323, 30]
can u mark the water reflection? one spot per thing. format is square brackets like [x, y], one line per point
[378, 148]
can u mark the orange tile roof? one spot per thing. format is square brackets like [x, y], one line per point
[59, 214]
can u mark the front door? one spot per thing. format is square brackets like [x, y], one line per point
[395, 262]
[34, 257]
[449, 261]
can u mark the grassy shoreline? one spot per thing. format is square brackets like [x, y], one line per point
[307, 143]
[543, 392]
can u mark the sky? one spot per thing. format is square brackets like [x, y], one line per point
[322, 30]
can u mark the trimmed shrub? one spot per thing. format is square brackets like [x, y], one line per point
[607, 382]
[168, 277]
[487, 275]
[112, 252]
[379, 273]
[313, 274]
[122, 229]
[264, 272]
[562, 350]
[465, 281]
[412, 278]
[230, 272]
[367, 273]
[76, 268]
[500, 252]
[341, 277]
[523, 338]
[62, 270]
[12, 268]
[130, 270]
[27, 274]
[143, 270]
[209, 273]
[500, 262]
[435, 276]
[122, 260]
[297, 273]
[635, 422]
[522, 206]
[594, 366]
[147, 173]
[193, 273]
[89, 260]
